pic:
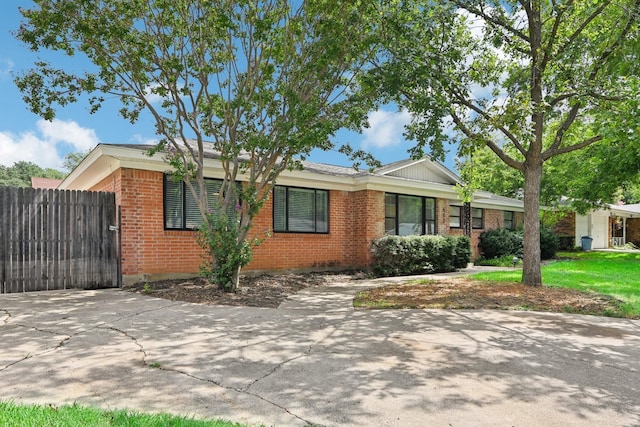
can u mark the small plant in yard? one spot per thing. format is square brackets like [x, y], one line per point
[147, 288]
[155, 365]
[226, 252]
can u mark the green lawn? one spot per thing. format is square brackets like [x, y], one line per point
[49, 416]
[616, 274]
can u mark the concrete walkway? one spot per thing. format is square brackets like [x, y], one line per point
[317, 361]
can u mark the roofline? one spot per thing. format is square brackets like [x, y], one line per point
[105, 159]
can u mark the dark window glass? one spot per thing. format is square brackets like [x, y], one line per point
[181, 208]
[455, 216]
[508, 220]
[477, 217]
[409, 215]
[300, 210]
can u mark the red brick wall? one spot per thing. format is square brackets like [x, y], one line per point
[633, 231]
[345, 246]
[493, 218]
[356, 219]
[150, 250]
[566, 226]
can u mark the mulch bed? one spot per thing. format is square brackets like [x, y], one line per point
[449, 293]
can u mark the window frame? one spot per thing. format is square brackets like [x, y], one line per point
[427, 224]
[185, 194]
[287, 210]
[459, 216]
[512, 220]
[474, 218]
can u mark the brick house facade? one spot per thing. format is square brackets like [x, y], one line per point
[356, 210]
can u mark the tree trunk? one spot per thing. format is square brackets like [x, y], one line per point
[531, 274]
[235, 281]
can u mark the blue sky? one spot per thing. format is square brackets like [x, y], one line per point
[25, 136]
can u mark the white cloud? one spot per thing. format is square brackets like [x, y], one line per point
[151, 97]
[139, 139]
[69, 132]
[385, 128]
[48, 145]
[6, 67]
[29, 148]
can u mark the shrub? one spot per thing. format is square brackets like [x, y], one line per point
[404, 255]
[548, 243]
[463, 251]
[500, 242]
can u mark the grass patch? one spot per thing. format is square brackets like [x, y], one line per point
[614, 274]
[75, 415]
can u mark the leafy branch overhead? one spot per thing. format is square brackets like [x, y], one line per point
[528, 80]
[259, 82]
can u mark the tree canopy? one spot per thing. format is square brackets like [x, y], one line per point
[263, 81]
[529, 79]
[19, 175]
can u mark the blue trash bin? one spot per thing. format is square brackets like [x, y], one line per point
[586, 243]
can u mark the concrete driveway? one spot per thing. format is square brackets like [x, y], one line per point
[316, 361]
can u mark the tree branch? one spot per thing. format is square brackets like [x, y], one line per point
[510, 161]
[547, 154]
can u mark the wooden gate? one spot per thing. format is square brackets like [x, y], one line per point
[57, 239]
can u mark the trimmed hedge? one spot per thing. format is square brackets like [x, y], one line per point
[502, 242]
[406, 255]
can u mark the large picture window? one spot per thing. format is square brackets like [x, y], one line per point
[180, 208]
[302, 210]
[409, 215]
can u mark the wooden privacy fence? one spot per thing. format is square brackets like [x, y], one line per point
[57, 239]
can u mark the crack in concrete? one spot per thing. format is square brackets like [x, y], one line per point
[40, 353]
[7, 315]
[132, 338]
[237, 390]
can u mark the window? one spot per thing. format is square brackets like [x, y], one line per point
[300, 210]
[409, 215]
[455, 216]
[180, 208]
[509, 223]
[476, 218]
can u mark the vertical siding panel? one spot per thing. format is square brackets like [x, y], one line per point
[4, 236]
[56, 233]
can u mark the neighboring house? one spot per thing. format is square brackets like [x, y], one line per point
[45, 183]
[322, 217]
[611, 226]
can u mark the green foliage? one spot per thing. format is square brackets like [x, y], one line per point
[405, 255]
[19, 175]
[73, 159]
[503, 261]
[531, 81]
[462, 253]
[500, 242]
[549, 243]
[221, 238]
[12, 414]
[261, 83]
[609, 273]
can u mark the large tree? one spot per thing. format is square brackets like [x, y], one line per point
[529, 79]
[265, 81]
[568, 180]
